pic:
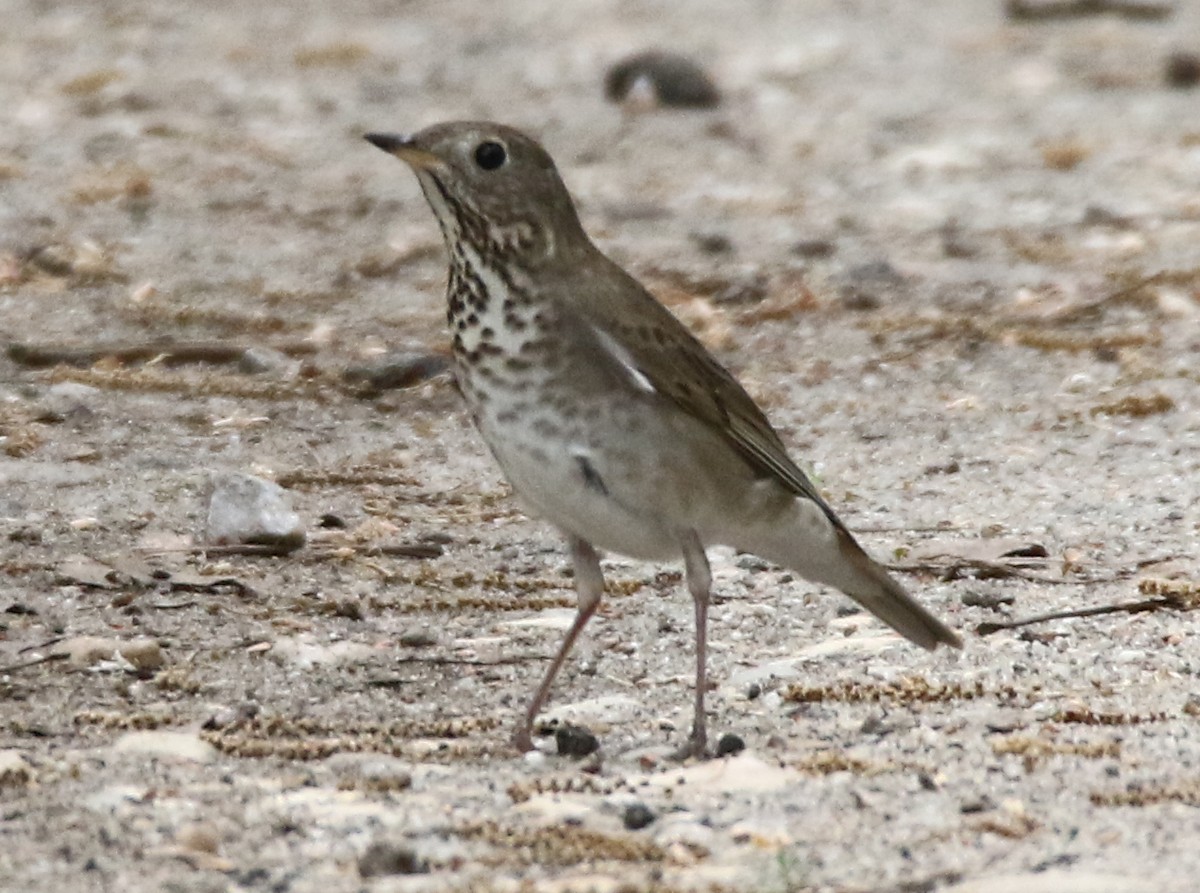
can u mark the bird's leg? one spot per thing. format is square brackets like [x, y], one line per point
[589, 587]
[699, 582]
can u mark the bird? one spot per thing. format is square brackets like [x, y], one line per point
[607, 416]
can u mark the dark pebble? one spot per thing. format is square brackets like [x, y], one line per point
[753, 692]
[730, 745]
[990, 600]
[331, 521]
[418, 639]
[1183, 70]
[748, 289]
[575, 741]
[712, 243]
[677, 80]
[637, 816]
[385, 857]
[864, 285]
[20, 609]
[813, 249]
[398, 369]
[983, 803]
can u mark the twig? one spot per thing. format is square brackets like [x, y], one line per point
[1150, 604]
[47, 659]
[994, 569]
[170, 352]
[1042, 10]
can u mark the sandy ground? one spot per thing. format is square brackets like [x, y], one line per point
[956, 257]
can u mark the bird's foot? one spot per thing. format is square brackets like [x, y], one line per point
[696, 746]
[523, 739]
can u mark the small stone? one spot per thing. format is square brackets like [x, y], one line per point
[145, 654]
[669, 78]
[20, 609]
[228, 716]
[260, 360]
[864, 285]
[753, 692]
[1182, 70]
[575, 741]
[712, 243]
[384, 857]
[199, 837]
[982, 803]
[418, 638]
[376, 773]
[813, 249]
[249, 510]
[991, 600]
[330, 521]
[68, 401]
[637, 816]
[15, 770]
[397, 369]
[180, 746]
[730, 745]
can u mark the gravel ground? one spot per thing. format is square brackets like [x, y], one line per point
[955, 255]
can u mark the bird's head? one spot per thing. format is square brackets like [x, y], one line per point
[491, 187]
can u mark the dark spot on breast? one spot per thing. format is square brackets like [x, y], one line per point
[591, 477]
[516, 364]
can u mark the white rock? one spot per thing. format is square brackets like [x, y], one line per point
[554, 618]
[15, 770]
[742, 774]
[182, 746]
[244, 509]
[306, 651]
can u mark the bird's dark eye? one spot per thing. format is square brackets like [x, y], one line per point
[490, 155]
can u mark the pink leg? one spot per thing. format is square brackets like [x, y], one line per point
[699, 581]
[589, 587]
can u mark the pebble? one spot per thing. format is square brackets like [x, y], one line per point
[384, 857]
[867, 286]
[1182, 70]
[991, 600]
[418, 638]
[143, 654]
[244, 509]
[260, 360]
[179, 746]
[397, 369]
[813, 249]
[671, 80]
[307, 651]
[68, 400]
[744, 773]
[228, 716]
[575, 741]
[370, 772]
[637, 816]
[730, 745]
[15, 770]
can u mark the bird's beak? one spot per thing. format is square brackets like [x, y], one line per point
[404, 148]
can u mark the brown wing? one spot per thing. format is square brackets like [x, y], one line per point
[680, 369]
